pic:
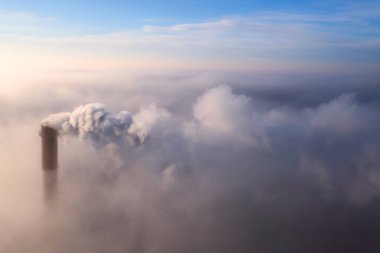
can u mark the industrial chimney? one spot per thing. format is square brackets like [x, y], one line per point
[49, 163]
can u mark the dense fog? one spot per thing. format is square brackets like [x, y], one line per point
[194, 162]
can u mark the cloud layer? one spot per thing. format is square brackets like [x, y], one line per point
[216, 168]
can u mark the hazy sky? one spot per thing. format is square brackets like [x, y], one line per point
[255, 36]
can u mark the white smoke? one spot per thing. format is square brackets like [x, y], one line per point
[93, 121]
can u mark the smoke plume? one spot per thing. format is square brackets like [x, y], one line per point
[92, 121]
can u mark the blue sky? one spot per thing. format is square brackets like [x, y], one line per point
[116, 15]
[239, 35]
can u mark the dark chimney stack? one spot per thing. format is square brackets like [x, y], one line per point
[49, 138]
[49, 148]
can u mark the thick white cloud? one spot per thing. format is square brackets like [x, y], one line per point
[341, 115]
[222, 113]
[220, 110]
[218, 168]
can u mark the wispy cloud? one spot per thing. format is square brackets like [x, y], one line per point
[16, 17]
[16, 22]
[212, 25]
[276, 37]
